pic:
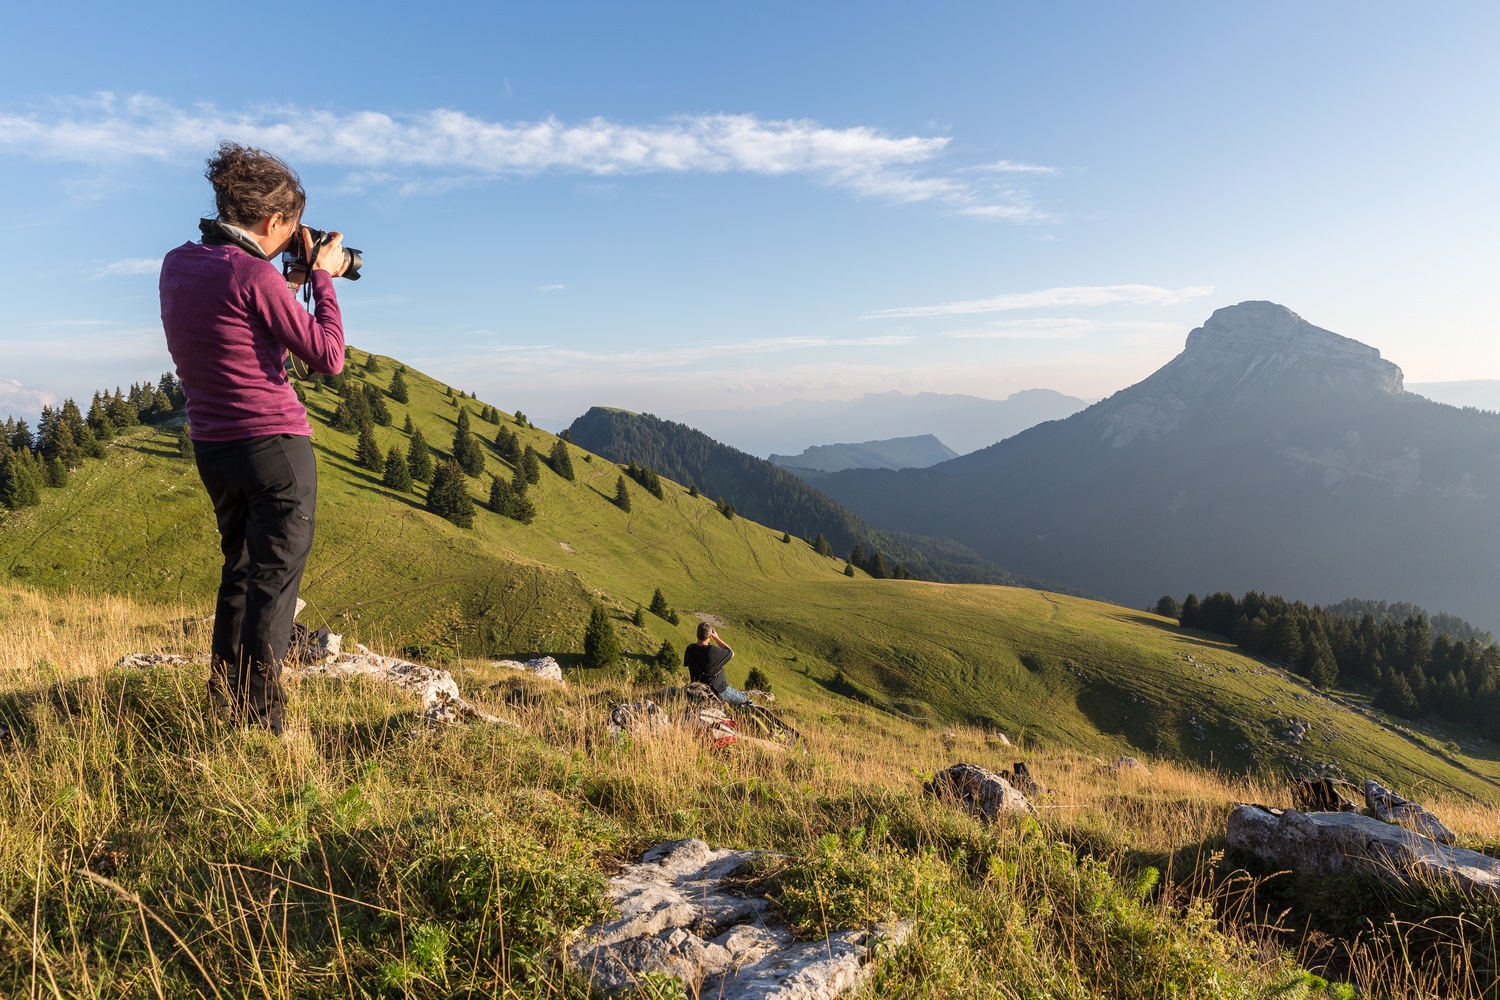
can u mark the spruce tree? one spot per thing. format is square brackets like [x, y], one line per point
[448, 496]
[601, 646]
[531, 466]
[822, 546]
[524, 509]
[622, 495]
[848, 569]
[55, 474]
[372, 363]
[508, 445]
[407, 427]
[786, 537]
[20, 479]
[368, 454]
[375, 400]
[659, 606]
[666, 656]
[466, 448]
[419, 458]
[397, 472]
[399, 391]
[639, 618]
[185, 445]
[560, 460]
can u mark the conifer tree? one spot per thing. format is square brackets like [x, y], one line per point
[693, 490]
[375, 400]
[659, 606]
[666, 656]
[531, 466]
[397, 472]
[786, 537]
[848, 569]
[822, 546]
[601, 646]
[399, 391]
[448, 496]
[878, 569]
[20, 479]
[185, 445]
[560, 460]
[1189, 616]
[407, 427]
[55, 473]
[508, 445]
[372, 363]
[622, 495]
[368, 454]
[98, 419]
[419, 458]
[466, 448]
[639, 618]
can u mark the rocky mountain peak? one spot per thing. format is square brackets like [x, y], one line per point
[1275, 338]
[1250, 348]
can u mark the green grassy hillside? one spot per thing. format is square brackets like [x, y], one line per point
[1043, 668]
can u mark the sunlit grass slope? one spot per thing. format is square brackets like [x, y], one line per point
[147, 851]
[1043, 668]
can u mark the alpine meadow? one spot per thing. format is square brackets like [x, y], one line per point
[148, 849]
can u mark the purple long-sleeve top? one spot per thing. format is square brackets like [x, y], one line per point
[230, 319]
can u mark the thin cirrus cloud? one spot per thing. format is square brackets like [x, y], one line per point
[380, 147]
[1059, 328]
[548, 357]
[130, 266]
[1052, 298]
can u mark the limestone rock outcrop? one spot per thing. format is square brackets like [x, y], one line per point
[1324, 843]
[1392, 808]
[676, 917]
[441, 701]
[982, 792]
[542, 667]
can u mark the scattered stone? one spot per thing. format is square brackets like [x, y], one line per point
[697, 691]
[1392, 808]
[1323, 843]
[677, 918]
[152, 660]
[441, 701]
[981, 792]
[543, 667]
[1125, 764]
[309, 646]
[949, 739]
[1322, 795]
[638, 718]
[997, 738]
[761, 697]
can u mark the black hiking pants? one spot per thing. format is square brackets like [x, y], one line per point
[263, 491]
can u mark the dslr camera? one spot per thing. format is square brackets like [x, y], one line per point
[297, 258]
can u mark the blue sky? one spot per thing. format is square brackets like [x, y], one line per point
[671, 207]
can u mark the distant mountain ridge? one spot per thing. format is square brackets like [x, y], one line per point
[893, 453]
[1269, 455]
[770, 494]
[964, 423]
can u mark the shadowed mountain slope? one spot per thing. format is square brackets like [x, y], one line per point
[1269, 455]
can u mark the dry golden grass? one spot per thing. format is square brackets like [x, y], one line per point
[147, 851]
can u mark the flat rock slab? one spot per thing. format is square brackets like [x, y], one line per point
[441, 701]
[677, 918]
[1324, 843]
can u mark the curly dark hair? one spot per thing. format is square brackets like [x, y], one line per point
[251, 184]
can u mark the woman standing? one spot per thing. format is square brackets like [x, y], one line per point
[230, 320]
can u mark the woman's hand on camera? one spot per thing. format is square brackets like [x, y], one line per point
[331, 256]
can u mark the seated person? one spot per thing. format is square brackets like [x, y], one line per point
[705, 660]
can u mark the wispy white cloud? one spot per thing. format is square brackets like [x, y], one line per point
[1061, 328]
[1012, 167]
[1051, 298]
[130, 266]
[377, 147]
[17, 400]
[547, 357]
[552, 288]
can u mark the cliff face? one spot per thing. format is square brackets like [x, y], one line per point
[1254, 350]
